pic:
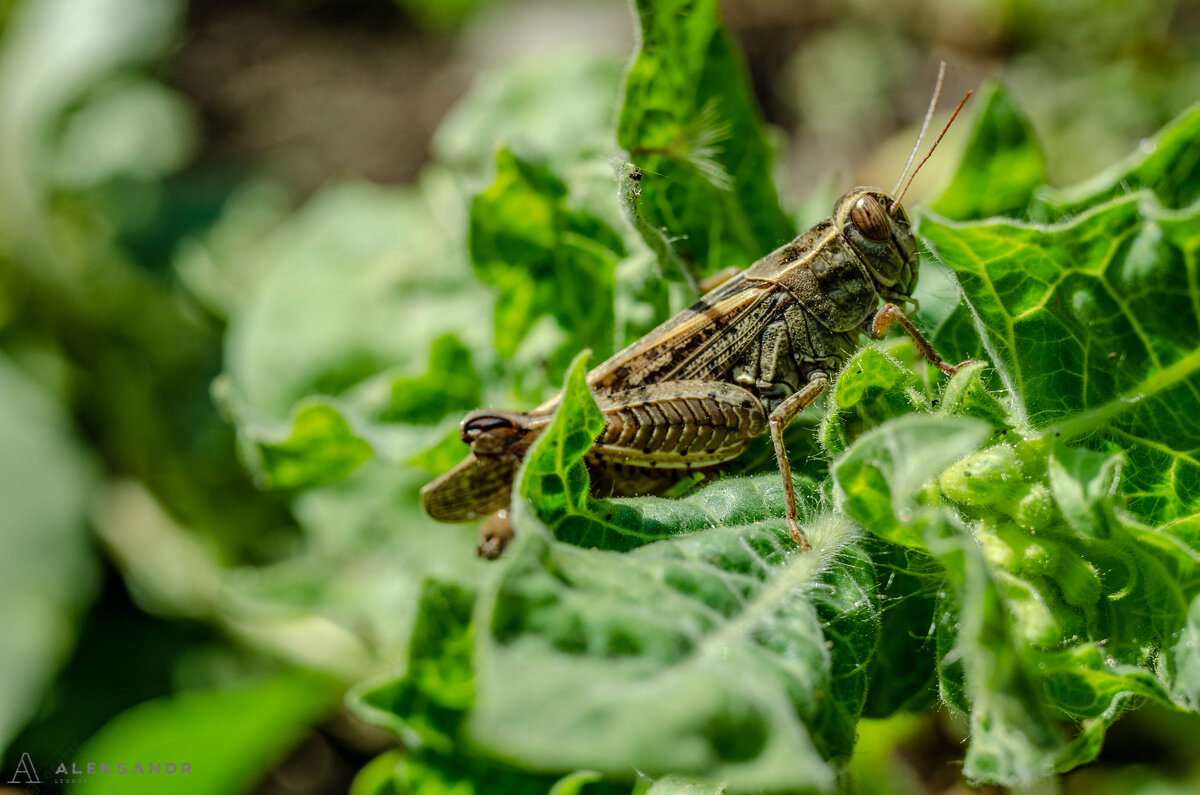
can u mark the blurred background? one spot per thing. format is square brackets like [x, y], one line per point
[212, 211]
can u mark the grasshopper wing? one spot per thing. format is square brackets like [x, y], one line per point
[474, 488]
[702, 341]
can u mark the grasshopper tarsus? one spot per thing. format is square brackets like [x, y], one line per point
[798, 536]
[494, 535]
[951, 369]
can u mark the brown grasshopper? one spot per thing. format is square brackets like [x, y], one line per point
[748, 356]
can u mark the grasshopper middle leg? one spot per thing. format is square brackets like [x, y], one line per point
[783, 414]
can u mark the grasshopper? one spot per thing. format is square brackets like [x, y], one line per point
[746, 358]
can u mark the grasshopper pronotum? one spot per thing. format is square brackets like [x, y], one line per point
[748, 356]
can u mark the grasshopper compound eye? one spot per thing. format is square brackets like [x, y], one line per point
[478, 425]
[870, 219]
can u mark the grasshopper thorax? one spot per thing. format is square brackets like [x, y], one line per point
[879, 232]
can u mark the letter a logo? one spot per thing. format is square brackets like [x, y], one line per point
[25, 773]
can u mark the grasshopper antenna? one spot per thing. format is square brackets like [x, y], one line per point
[933, 103]
[928, 115]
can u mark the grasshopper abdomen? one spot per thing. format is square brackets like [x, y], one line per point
[680, 424]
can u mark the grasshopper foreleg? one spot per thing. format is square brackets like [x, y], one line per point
[890, 313]
[783, 414]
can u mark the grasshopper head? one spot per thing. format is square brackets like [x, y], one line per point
[877, 226]
[497, 434]
[878, 230]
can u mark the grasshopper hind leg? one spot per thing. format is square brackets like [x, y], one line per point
[494, 535]
[783, 414]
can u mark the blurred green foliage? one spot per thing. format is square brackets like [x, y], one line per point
[195, 729]
[220, 401]
[529, 245]
[688, 118]
[48, 574]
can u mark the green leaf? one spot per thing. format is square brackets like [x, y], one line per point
[443, 14]
[1055, 604]
[320, 448]
[1013, 739]
[881, 475]
[553, 476]
[345, 306]
[545, 256]
[626, 523]
[426, 706]
[967, 395]
[48, 570]
[219, 268]
[725, 653]
[1001, 166]
[988, 477]
[53, 53]
[443, 455]
[1020, 685]
[684, 785]
[433, 774]
[872, 388]
[228, 739]
[1081, 482]
[128, 127]
[575, 783]
[559, 106]
[903, 676]
[1167, 164]
[689, 121]
[1187, 660]
[326, 439]
[1093, 326]
[358, 284]
[378, 777]
[450, 385]
[345, 601]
